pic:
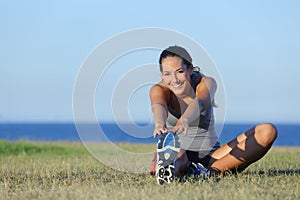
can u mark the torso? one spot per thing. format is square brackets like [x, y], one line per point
[201, 134]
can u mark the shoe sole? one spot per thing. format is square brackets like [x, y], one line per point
[165, 175]
[167, 149]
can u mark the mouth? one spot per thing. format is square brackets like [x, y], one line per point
[177, 85]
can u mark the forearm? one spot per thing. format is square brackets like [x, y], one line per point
[159, 115]
[193, 111]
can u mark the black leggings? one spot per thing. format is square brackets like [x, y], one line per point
[193, 156]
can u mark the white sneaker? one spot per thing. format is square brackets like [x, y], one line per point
[165, 174]
[167, 149]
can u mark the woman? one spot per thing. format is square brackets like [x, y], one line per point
[183, 103]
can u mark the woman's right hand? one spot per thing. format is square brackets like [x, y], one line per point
[159, 129]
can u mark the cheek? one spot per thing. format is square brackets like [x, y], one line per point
[167, 81]
[184, 76]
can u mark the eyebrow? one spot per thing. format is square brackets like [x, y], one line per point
[181, 68]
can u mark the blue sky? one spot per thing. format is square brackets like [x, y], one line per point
[255, 46]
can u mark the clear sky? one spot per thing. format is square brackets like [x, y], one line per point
[255, 45]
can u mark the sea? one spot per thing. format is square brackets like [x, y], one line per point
[289, 134]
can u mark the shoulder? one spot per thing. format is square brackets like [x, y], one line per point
[207, 84]
[160, 91]
[208, 80]
[158, 87]
[198, 78]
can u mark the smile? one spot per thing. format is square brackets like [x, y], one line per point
[177, 85]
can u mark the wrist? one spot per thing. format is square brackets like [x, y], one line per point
[159, 125]
[184, 119]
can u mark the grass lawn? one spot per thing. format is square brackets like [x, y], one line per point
[39, 170]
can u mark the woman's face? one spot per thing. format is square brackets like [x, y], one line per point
[176, 75]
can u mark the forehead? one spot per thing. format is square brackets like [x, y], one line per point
[173, 59]
[171, 62]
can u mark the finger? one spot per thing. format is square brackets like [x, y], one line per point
[185, 131]
[156, 133]
[178, 130]
[164, 130]
[175, 129]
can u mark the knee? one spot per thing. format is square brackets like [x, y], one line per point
[267, 134]
[270, 131]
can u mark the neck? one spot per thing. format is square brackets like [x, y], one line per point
[187, 95]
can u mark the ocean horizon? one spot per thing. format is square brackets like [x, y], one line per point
[289, 134]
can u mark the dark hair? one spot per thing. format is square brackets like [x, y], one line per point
[178, 52]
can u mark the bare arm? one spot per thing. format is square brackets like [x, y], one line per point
[159, 108]
[205, 92]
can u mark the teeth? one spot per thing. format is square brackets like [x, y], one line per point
[176, 85]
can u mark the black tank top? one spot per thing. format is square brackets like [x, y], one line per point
[206, 116]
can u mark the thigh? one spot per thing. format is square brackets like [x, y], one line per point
[226, 148]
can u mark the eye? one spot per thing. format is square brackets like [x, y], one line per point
[180, 71]
[166, 74]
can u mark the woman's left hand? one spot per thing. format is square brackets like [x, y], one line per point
[181, 126]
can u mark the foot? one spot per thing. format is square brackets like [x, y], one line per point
[198, 170]
[167, 149]
[165, 174]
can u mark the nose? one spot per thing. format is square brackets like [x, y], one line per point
[174, 78]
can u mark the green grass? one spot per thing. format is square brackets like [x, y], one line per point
[26, 148]
[42, 170]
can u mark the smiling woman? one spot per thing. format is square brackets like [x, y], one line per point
[177, 72]
[183, 103]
